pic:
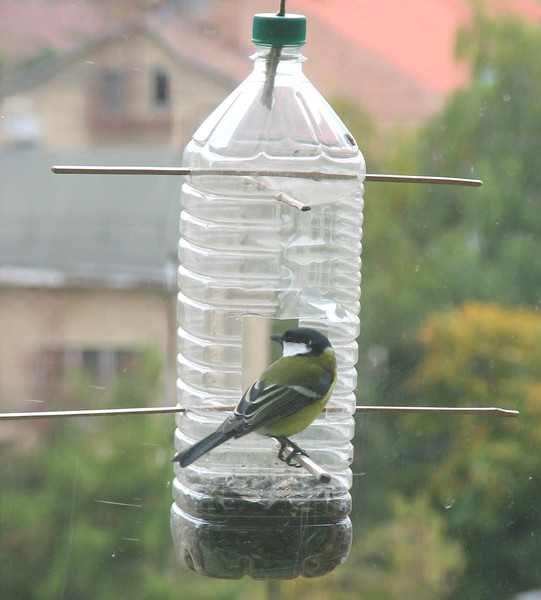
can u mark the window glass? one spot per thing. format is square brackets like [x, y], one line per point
[442, 505]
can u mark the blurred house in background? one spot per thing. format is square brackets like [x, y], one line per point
[87, 271]
[127, 87]
[87, 263]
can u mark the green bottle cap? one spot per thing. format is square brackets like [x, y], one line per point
[273, 30]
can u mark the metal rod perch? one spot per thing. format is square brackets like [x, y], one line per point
[315, 175]
[157, 410]
[304, 461]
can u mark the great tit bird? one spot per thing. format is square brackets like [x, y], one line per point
[285, 399]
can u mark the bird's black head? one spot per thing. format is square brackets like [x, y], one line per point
[302, 341]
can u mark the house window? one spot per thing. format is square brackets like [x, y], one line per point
[113, 91]
[57, 368]
[161, 89]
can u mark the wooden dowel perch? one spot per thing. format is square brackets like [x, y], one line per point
[309, 465]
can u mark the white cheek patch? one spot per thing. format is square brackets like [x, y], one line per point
[295, 348]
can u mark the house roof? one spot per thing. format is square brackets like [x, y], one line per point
[417, 36]
[32, 32]
[110, 230]
[31, 29]
[393, 57]
[228, 71]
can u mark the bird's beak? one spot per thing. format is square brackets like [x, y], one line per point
[276, 337]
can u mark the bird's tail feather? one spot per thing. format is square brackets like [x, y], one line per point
[188, 455]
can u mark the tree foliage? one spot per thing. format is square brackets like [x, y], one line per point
[428, 247]
[487, 355]
[428, 250]
[85, 512]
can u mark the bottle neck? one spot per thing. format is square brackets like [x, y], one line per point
[283, 59]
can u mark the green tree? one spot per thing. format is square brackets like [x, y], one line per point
[428, 248]
[492, 130]
[488, 478]
[432, 248]
[85, 512]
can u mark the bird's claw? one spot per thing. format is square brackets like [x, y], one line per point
[290, 458]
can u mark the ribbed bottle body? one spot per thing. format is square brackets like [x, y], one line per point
[243, 253]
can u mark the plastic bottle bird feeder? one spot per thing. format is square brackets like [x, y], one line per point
[251, 264]
[270, 238]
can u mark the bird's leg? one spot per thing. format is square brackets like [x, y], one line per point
[284, 442]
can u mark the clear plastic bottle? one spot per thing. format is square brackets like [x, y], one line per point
[238, 510]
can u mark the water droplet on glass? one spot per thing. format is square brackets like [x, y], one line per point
[449, 502]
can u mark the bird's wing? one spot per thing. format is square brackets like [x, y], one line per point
[265, 404]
